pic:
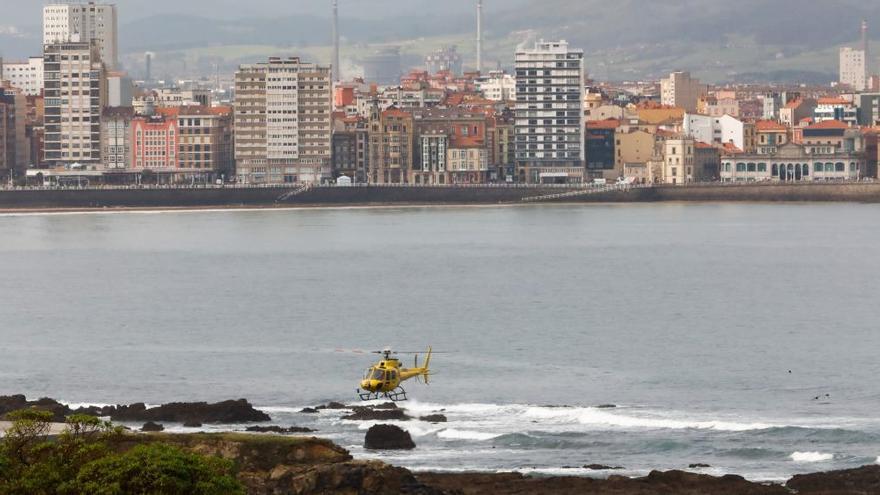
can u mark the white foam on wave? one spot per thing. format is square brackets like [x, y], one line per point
[878, 460]
[811, 457]
[601, 417]
[83, 405]
[281, 409]
[453, 434]
[585, 416]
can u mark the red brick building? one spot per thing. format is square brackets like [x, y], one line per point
[155, 142]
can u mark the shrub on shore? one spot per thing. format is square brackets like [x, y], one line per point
[81, 460]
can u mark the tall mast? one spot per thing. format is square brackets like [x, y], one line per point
[337, 70]
[479, 35]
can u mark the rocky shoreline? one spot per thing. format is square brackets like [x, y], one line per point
[283, 460]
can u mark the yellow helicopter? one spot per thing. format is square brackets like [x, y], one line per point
[383, 379]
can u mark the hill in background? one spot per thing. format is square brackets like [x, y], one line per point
[628, 39]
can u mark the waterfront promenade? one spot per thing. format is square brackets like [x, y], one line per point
[253, 196]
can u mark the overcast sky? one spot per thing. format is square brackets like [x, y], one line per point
[27, 12]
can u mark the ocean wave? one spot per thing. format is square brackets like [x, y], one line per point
[584, 416]
[601, 417]
[281, 409]
[453, 434]
[820, 433]
[751, 453]
[811, 457]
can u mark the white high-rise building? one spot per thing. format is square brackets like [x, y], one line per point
[26, 76]
[81, 23]
[75, 93]
[282, 122]
[549, 109]
[853, 71]
[681, 90]
[497, 86]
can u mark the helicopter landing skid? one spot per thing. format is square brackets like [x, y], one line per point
[396, 395]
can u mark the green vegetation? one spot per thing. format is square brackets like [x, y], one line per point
[82, 459]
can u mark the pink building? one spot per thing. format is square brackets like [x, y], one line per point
[154, 143]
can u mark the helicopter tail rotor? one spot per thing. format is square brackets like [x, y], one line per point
[428, 367]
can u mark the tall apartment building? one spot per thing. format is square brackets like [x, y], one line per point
[681, 90]
[392, 143]
[82, 23]
[549, 111]
[678, 163]
[75, 93]
[853, 68]
[351, 139]
[283, 113]
[14, 148]
[27, 76]
[116, 137]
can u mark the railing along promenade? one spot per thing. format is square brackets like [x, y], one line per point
[581, 188]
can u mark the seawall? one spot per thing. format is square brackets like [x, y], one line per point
[390, 195]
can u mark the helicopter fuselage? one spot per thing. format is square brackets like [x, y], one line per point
[387, 375]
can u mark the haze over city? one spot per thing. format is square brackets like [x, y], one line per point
[716, 40]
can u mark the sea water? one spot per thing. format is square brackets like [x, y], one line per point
[743, 336]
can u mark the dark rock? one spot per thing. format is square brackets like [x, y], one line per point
[13, 403]
[231, 411]
[332, 406]
[433, 418]
[657, 483]
[606, 406]
[149, 426]
[310, 410]
[388, 437]
[370, 414]
[861, 480]
[602, 467]
[387, 405]
[192, 424]
[699, 465]
[278, 429]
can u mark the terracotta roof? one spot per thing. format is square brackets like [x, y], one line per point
[702, 145]
[394, 112]
[769, 125]
[794, 103]
[833, 101]
[603, 124]
[829, 124]
[193, 110]
[731, 149]
[168, 111]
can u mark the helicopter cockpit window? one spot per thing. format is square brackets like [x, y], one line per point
[368, 373]
[378, 375]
